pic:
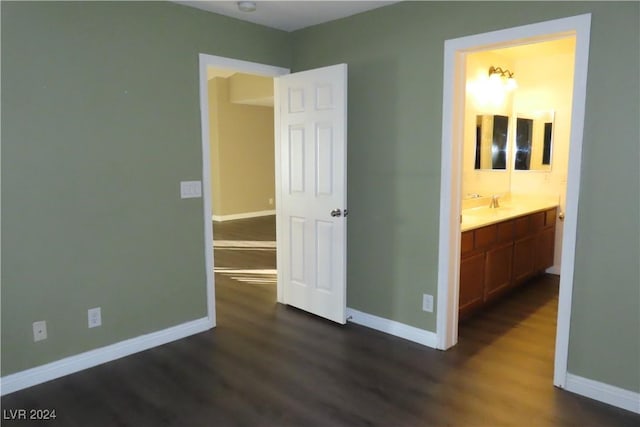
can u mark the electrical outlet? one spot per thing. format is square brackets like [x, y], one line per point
[427, 303]
[39, 330]
[94, 317]
[271, 201]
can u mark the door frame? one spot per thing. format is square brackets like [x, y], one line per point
[451, 166]
[206, 61]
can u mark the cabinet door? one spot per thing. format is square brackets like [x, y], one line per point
[523, 259]
[497, 270]
[471, 284]
[544, 250]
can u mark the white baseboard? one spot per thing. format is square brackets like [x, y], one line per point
[392, 327]
[606, 393]
[68, 365]
[219, 218]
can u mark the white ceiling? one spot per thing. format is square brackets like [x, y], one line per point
[289, 15]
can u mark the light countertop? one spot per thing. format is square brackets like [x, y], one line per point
[480, 216]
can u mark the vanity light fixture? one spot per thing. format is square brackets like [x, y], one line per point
[247, 6]
[498, 74]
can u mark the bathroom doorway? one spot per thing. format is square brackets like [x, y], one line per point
[456, 52]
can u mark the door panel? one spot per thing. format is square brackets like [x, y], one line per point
[324, 160]
[297, 250]
[297, 159]
[311, 152]
[324, 239]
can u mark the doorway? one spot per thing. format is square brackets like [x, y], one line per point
[243, 180]
[217, 62]
[310, 189]
[456, 51]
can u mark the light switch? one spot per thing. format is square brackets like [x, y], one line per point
[190, 189]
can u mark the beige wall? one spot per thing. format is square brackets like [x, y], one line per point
[242, 154]
[251, 89]
[483, 182]
[545, 82]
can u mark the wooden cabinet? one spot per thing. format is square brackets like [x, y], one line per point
[472, 275]
[497, 274]
[500, 256]
[546, 242]
[523, 253]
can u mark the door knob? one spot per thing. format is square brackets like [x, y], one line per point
[336, 212]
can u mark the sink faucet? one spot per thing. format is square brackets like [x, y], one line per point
[494, 201]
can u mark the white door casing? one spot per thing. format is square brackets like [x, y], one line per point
[311, 120]
[450, 190]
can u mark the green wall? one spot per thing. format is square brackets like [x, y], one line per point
[395, 57]
[100, 123]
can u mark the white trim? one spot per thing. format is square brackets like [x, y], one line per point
[69, 365]
[392, 327]
[280, 219]
[582, 26]
[244, 67]
[602, 392]
[231, 217]
[206, 189]
[450, 191]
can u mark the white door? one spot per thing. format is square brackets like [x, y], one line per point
[311, 163]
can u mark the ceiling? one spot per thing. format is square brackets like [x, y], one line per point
[289, 15]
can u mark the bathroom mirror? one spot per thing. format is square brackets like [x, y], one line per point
[491, 142]
[533, 141]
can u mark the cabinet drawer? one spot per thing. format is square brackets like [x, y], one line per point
[485, 236]
[466, 242]
[550, 217]
[537, 221]
[505, 231]
[522, 227]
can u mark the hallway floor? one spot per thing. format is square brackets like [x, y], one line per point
[270, 365]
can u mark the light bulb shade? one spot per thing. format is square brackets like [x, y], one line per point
[494, 78]
[511, 84]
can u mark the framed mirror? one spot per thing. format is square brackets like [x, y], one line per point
[491, 142]
[533, 146]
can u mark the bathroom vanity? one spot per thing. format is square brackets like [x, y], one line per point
[501, 248]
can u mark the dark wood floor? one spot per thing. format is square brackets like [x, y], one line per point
[269, 365]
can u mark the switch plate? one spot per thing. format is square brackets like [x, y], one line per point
[190, 189]
[94, 316]
[39, 330]
[427, 303]
[271, 201]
